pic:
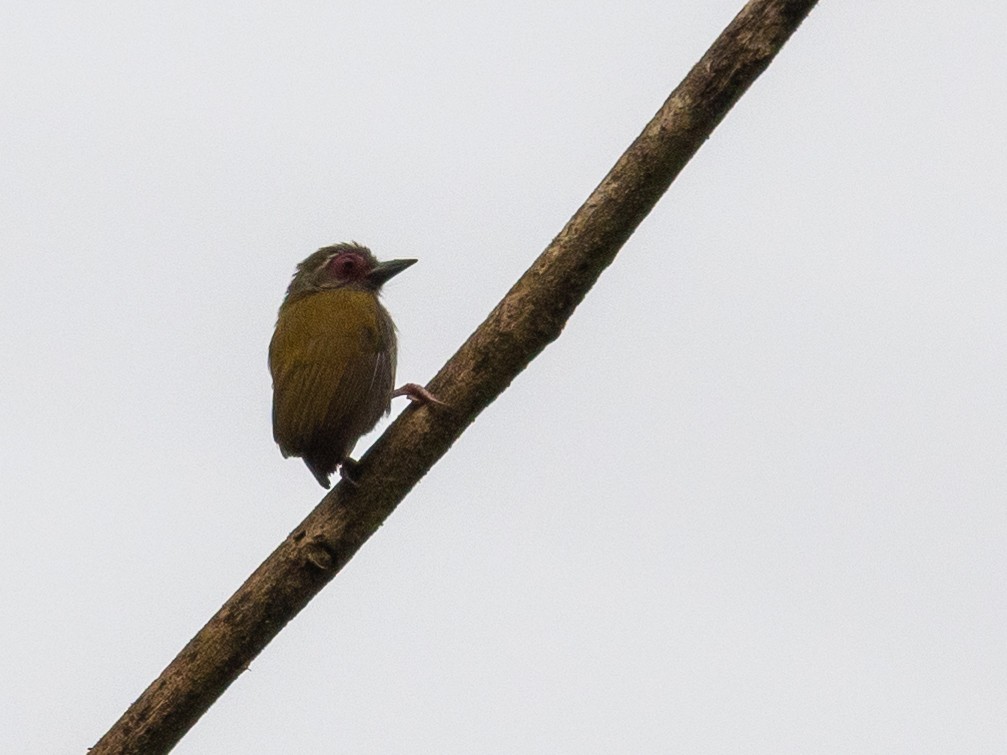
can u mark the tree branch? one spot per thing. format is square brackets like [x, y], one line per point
[529, 317]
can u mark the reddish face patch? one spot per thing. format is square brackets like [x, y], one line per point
[348, 266]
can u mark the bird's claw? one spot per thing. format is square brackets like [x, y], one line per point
[347, 470]
[417, 394]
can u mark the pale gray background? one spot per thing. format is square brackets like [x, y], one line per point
[751, 501]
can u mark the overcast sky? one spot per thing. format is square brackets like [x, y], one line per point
[752, 500]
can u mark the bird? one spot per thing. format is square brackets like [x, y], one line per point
[332, 357]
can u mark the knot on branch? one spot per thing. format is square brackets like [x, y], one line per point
[319, 553]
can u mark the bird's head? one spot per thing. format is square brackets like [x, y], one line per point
[343, 265]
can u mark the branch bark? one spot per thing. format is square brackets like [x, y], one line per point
[529, 317]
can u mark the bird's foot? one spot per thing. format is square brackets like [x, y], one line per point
[417, 394]
[348, 470]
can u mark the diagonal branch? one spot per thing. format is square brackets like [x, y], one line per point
[529, 317]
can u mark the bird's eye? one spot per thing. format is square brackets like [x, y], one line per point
[347, 266]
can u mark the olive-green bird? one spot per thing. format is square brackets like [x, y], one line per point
[332, 357]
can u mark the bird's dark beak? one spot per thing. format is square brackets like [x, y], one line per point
[383, 271]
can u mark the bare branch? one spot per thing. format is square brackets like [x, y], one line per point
[529, 317]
